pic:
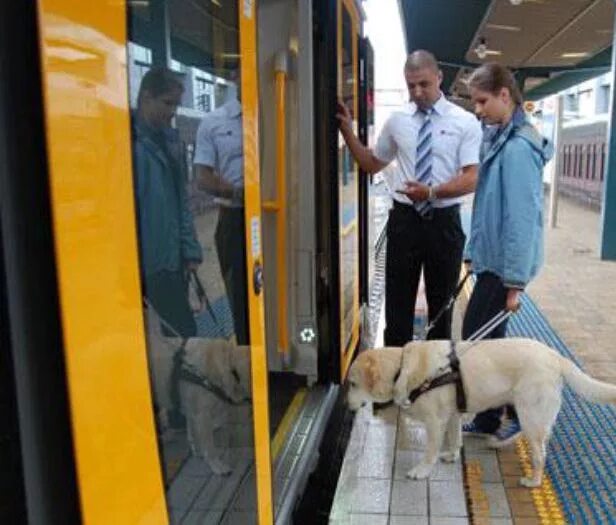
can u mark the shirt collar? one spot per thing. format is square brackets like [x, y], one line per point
[439, 106]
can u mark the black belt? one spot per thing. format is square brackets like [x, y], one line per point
[434, 212]
[454, 376]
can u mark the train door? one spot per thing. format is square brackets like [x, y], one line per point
[148, 144]
[337, 26]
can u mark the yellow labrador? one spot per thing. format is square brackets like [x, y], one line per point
[522, 372]
[224, 369]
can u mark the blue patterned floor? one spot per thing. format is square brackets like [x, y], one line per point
[220, 325]
[581, 458]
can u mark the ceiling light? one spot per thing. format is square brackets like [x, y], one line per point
[502, 27]
[516, 2]
[482, 48]
[574, 55]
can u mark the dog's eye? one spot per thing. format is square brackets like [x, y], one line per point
[352, 384]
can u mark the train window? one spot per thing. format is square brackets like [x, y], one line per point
[188, 165]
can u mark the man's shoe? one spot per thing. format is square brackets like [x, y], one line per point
[471, 429]
[507, 433]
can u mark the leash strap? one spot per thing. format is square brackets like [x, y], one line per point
[203, 298]
[447, 305]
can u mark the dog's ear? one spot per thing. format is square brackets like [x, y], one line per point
[415, 365]
[371, 372]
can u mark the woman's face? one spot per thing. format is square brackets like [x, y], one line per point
[159, 110]
[491, 108]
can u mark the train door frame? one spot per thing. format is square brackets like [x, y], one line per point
[366, 120]
[333, 360]
[61, 358]
[38, 473]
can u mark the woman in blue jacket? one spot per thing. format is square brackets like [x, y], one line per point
[506, 238]
[167, 239]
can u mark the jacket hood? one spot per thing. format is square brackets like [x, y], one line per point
[526, 131]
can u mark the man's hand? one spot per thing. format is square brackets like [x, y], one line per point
[416, 191]
[344, 116]
[513, 300]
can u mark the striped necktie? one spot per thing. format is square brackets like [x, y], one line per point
[423, 163]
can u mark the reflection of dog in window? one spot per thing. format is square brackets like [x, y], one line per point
[211, 376]
[218, 377]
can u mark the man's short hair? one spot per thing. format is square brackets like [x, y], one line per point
[421, 59]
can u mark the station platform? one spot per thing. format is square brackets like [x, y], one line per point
[571, 307]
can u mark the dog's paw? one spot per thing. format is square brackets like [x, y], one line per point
[530, 483]
[219, 467]
[421, 471]
[450, 456]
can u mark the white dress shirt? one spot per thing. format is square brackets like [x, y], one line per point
[456, 139]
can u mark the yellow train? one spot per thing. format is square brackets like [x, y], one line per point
[184, 254]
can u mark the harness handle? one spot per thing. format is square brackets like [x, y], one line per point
[490, 325]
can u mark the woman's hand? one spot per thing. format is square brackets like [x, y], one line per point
[513, 300]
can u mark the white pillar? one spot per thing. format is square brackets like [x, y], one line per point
[558, 124]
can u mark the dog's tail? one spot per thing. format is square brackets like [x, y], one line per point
[586, 386]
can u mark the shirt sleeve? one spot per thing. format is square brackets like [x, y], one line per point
[386, 147]
[471, 143]
[205, 151]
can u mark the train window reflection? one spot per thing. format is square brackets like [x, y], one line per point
[188, 170]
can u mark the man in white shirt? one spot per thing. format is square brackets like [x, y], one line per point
[436, 144]
[219, 166]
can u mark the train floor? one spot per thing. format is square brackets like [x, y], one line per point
[571, 307]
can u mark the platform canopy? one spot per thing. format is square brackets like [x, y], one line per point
[549, 44]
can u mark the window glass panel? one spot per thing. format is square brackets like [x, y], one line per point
[184, 71]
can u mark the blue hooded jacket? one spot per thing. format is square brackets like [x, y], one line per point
[506, 235]
[166, 229]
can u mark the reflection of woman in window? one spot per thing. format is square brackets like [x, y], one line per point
[167, 236]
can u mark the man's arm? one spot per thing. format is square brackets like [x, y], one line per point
[209, 181]
[362, 155]
[460, 185]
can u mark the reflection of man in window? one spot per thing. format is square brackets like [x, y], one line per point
[168, 243]
[219, 165]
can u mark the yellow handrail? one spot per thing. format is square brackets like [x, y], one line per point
[279, 204]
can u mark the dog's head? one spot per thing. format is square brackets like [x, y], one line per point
[420, 361]
[371, 377]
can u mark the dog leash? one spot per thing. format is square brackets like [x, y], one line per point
[203, 298]
[446, 306]
[486, 328]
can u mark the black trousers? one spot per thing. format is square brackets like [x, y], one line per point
[168, 293]
[414, 242]
[488, 298]
[231, 247]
